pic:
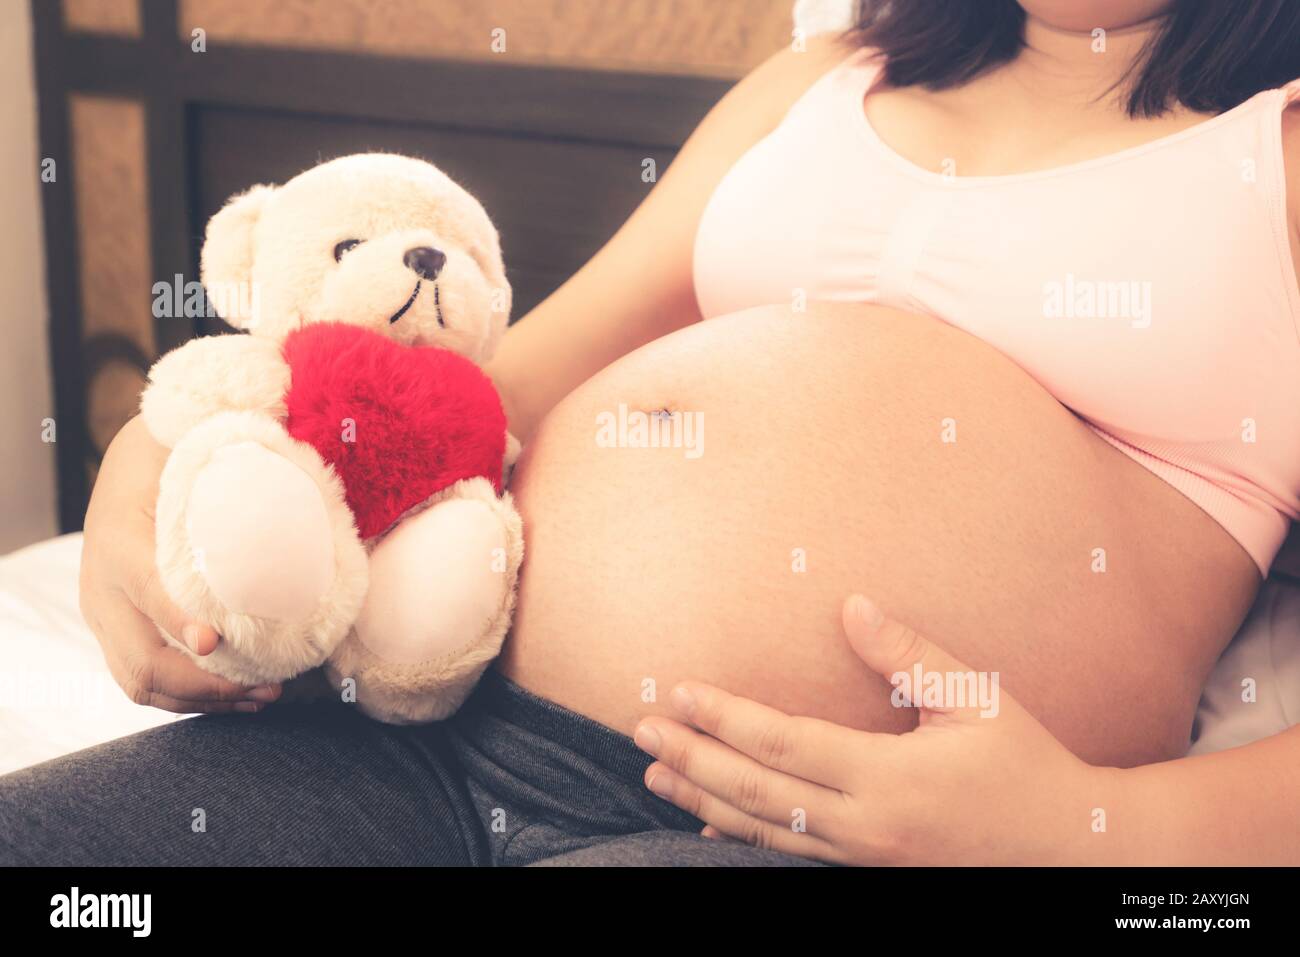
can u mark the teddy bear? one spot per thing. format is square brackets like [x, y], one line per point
[333, 495]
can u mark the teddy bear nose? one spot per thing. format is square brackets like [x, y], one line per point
[425, 261]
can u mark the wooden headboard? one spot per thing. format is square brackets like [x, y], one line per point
[155, 111]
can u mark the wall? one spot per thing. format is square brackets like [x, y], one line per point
[27, 490]
[700, 37]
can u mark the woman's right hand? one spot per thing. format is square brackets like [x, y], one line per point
[122, 596]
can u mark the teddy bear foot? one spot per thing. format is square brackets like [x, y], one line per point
[441, 596]
[255, 539]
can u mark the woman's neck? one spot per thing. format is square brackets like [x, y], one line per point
[1074, 66]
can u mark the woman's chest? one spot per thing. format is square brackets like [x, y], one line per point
[1126, 288]
[994, 127]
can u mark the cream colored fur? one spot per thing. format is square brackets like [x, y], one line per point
[433, 690]
[256, 651]
[207, 376]
[268, 255]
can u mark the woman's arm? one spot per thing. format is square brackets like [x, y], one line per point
[639, 287]
[1230, 807]
[1291, 156]
[975, 783]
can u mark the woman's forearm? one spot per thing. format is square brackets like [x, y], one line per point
[1232, 807]
[581, 328]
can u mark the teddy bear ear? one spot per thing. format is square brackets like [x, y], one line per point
[226, 263]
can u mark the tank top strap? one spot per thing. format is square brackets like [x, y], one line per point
[852, 73]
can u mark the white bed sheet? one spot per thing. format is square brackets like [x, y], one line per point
[56, 695]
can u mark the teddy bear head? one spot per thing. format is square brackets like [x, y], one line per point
[376, 240]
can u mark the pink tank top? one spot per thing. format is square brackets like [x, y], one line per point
[1151, 291]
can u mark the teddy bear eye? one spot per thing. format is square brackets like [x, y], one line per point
[345, 246]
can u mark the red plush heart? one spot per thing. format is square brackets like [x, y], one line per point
[397, 423]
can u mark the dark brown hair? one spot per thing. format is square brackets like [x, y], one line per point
[1208, 55]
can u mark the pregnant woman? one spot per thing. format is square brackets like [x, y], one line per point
[1000, 325]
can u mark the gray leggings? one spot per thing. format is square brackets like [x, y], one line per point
[512, 779]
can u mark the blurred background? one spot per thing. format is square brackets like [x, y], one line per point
[129, 122]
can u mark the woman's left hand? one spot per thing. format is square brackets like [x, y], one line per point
[970, 785]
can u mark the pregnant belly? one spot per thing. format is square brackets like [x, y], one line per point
[860, 449]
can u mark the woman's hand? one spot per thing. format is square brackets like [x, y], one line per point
[972, 784]
[121, 596]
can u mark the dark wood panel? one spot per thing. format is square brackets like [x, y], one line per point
[63, 280]
[548, 101]
[555, 201]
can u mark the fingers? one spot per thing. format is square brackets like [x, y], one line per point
[177, 706]
[147, 594]
[726, 820]
[175, 676]
[730, 776]
[153, 674]
[894, 651]
[122, 598]
[804, 747]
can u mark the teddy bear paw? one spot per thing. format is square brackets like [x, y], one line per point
[254, 538]
[442, 592]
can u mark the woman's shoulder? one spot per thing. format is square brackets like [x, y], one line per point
[1291, 158]
[778, 83]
